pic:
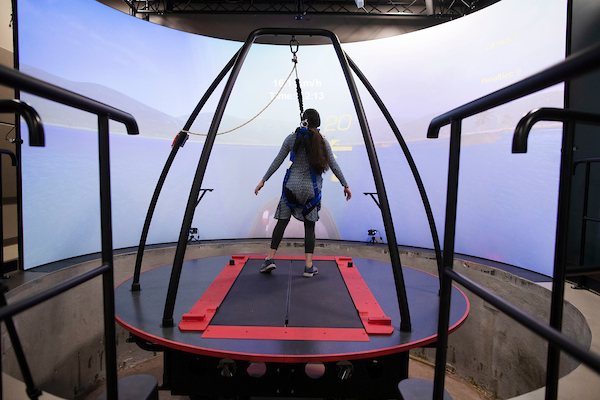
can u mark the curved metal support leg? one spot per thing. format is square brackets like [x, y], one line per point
[196, 187]
[179, 141]
[405, 324]
[409, 159]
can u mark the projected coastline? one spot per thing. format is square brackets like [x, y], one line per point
[507, 203]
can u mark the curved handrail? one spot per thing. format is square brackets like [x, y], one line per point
[547, 114]
[12, 156]
[575, 65]
[12, 309]
[585, 161]
[566, 116]
[534, 324]
[32, 118]
[18, 80]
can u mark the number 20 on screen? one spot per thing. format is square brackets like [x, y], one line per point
[341, 123]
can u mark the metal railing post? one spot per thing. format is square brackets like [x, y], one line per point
[560, 257]
[15, 164]
[32, 391]
[569, 118]
[448, 260]
[107, 258]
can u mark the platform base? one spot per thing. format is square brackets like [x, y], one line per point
[194, 375]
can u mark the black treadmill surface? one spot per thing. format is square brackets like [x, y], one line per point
[284, 297]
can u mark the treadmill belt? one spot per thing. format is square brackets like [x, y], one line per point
[256, 299]
[285, 298]
[323, 300]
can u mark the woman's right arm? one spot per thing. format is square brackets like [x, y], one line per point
[259, 186]
[286, 147]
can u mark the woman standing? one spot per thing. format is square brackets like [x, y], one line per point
[310, 157]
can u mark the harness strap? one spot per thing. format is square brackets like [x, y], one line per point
[288, 196]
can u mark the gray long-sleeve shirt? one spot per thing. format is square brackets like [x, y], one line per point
[299, 181]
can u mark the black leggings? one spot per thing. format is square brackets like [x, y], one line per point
[309, 234]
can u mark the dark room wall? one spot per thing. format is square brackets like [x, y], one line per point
[583, 94]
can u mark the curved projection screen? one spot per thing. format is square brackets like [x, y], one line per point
[507, 203]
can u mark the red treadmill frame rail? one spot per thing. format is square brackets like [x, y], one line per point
[373, 318]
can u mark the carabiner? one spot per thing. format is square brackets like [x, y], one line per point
[292, 43]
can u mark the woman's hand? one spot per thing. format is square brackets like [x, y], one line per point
[347, 193]
[259, 186]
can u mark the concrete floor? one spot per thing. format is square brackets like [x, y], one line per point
[581, 384]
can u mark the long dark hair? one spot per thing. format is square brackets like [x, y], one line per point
[319, 157]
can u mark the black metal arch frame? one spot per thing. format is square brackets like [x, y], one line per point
[235, 65]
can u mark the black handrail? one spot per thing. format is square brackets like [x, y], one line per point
[547, 114]
[19, 81]
[520, 146]
[13, 159]
[575, 65]
[569, 118]
[405, 324]
[19, 306]
[411, 162]
[7, 311]
[180, 140]
[32, 390]
[36, 138]
[552, 335]
[580, 269]
[32, 119]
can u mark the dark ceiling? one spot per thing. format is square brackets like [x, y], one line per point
[235, 19]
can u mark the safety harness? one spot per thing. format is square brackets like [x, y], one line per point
[302, 139]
